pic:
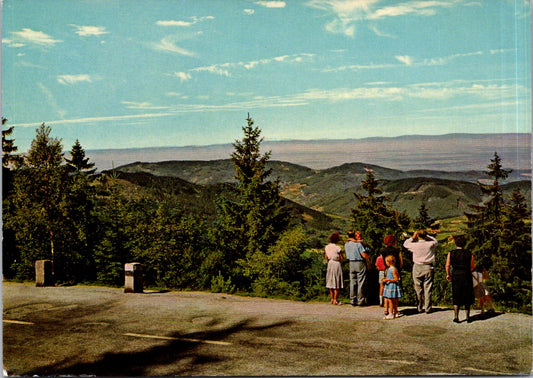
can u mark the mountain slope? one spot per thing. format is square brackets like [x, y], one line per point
[200, 199]
[446, 194]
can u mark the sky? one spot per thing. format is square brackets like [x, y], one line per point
[153, 73]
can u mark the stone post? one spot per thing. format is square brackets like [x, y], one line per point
[133, 278]
[44, 273]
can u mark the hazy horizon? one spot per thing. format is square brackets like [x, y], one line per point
[448, 152]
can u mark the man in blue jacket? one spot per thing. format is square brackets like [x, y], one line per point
[358, 256]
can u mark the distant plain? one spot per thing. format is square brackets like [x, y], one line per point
[450, 152]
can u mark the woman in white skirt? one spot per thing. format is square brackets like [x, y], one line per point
[333, 255]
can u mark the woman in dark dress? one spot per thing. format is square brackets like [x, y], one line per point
[459, 267]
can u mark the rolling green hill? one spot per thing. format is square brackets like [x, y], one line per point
[199, 199]
[330, 191]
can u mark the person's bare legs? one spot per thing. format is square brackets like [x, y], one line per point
[336, 296]
[394, 306]
[456, 313]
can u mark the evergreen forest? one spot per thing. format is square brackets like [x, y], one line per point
[256, 241]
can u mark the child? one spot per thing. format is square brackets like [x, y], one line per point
[480, 290]
[392, 290]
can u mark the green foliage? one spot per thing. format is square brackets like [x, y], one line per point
[78, 162]
[501, 241]
[49, 213]
[252, 216]
[170, 245]
[423, 221]
[279, 271]
[374, 217]
[9, 156]
[220, 285]
[117, 220]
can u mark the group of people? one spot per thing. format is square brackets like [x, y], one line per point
[460, 272]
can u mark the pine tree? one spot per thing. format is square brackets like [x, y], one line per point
[78, 162]
[10, 162]
[9, 156]
[373, 216]
[252, 216]
[423, 220]
[485, 223]
[516, 235]
[501, 241]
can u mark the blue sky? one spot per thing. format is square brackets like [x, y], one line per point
[121, 74]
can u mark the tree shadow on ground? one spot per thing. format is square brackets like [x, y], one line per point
[140, 363]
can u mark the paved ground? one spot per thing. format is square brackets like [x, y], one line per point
[105, 332]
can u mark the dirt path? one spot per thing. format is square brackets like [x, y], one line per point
[104, 332]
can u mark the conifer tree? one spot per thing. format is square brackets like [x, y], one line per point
[9, 156]
[501, 241]
[78, 162]
[373, 216]
[423, 220]
[10, 162]
[485, 223]
[253, 216]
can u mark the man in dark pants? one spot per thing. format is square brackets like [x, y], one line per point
[357, 254]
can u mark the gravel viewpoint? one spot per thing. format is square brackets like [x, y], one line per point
[99, 331]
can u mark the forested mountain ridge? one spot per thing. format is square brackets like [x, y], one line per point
[446, 194]
[199, 199]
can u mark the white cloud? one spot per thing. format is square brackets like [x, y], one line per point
[86, 31]
[26, 36]
[417, 8]
[249, 11]
[347, 13]
[225, 68]
[194, 20]
[214, 69]
[406, 59]
[183, 76]
[73, 79]
[380, 33]
[142, 105]
[174, 23]
[96, 119]
[409, 61]
[167, 44]
[272, 4]
[11, 43]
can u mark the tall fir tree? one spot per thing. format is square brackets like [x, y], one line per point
[10, 158]
[501, 241]
[373, 216]
[253, 216]
[423, 220]
[78, 162]
[485, 222]
[11, 161]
